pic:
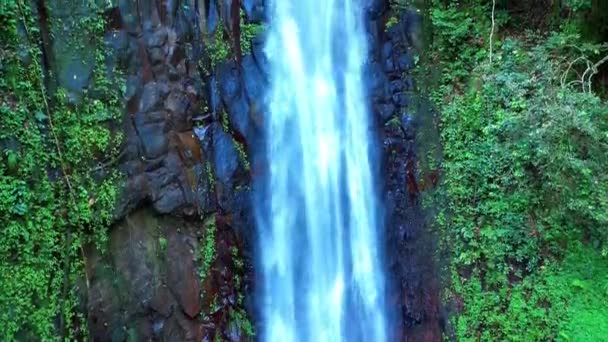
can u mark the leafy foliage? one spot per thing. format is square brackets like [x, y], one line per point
[459, 39]
[527, 195]
[219, 47]
[581, 283]
[241, 322]
[51, 201]
[248, 32]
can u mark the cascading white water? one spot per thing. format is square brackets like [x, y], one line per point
[319, 244]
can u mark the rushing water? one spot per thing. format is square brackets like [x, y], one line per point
[319, 244]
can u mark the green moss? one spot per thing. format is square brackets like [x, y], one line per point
[392, 21]
[210, 176]
[207, 249]
[239, 266]
[240, 148]
[240, 319]
[248, 32]
[219, 46]
[219, 52]
[215, 306]
[162, 244]
[225, 121]
[393, 122]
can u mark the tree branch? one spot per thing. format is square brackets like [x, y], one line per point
[493, 26]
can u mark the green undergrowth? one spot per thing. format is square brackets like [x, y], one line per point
[238, 316]
[524, 134]
[219, 46]
[54, 196]
[243, 158]
[240, 147]
[580, 285]
[207, 250]
[241, 322]
[562, 301]
[248, 32]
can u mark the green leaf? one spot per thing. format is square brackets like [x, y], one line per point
[579, 284]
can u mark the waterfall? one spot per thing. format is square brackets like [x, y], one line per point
[319, 251]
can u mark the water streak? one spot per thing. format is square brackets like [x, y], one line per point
[318, 242]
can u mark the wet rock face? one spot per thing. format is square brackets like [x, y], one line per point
[164, 93]
[171, 99]
[255, 10]
[412, 277]
[149, 286]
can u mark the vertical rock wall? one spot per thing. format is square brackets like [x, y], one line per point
[413, 296]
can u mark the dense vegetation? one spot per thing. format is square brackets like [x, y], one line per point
[524, 133]
[53, 195]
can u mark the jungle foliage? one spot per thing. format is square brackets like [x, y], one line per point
[524, 133]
